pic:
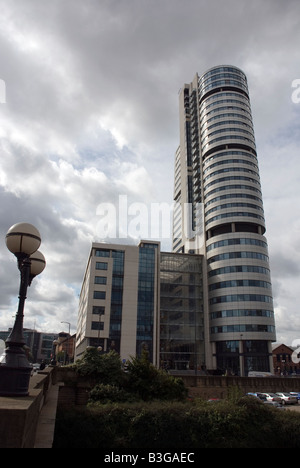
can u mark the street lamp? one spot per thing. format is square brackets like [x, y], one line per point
[23, 240]
[68, 323]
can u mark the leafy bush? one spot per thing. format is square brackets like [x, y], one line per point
[104, 367]
[141, 381]
[177, 425]
[124, 423]
[150, 383]
[106, 393]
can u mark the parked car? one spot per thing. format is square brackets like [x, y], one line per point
[264, 399]
[287, 398]
[258, 395]
[296, 394]
[273, 397]
[259, 374]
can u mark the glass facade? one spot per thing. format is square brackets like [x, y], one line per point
[181, 312]
[116, 300]
[254, 355]
[146, 298]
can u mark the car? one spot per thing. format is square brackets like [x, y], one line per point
[258, 395]
[287, 398]
[260, 374]
[273, 397]
[296, 394]
[276, 404]
[263, 398]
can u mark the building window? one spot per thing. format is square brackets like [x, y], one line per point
[230, 255]
[240, 283]
[102, 253]
[97, 326]
[239, 269]
[240, 297]
[118, 268]
[243, 328]
[98, 310]
[99, 294]
[145, 312]
[116, 298]
[243, 241]
[100, 279]
[242, 313]
[101, 266]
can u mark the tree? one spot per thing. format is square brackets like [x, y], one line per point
[104, 367]
[141, 381]
[151, 383]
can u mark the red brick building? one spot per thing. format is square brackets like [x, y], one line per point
[65, 347]
[286, 360]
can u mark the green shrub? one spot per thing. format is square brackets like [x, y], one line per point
[176, 425]
[105, 393]
[104, 367]
[150, 383]
[141, 381]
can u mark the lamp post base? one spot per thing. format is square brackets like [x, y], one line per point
[14, 382]
[15, 372]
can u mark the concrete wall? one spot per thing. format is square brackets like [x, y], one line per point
[20, 416]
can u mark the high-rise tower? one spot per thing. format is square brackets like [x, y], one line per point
[217, 177]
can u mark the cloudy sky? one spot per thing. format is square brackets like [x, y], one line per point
[89, 113]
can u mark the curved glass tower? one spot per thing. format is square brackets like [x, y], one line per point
[217, 175]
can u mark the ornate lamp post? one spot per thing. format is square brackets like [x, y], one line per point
[23, 240]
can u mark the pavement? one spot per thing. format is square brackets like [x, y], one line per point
[293, 407]
[46, 424]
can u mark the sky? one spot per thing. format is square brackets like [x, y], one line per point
[89, 114]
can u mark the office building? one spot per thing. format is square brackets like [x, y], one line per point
[137, 297]
[217, 181]
[118, 306]
[39, 344]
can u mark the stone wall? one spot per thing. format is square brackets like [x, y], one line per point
[19, 416]
[75, 389]
[219, 386]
